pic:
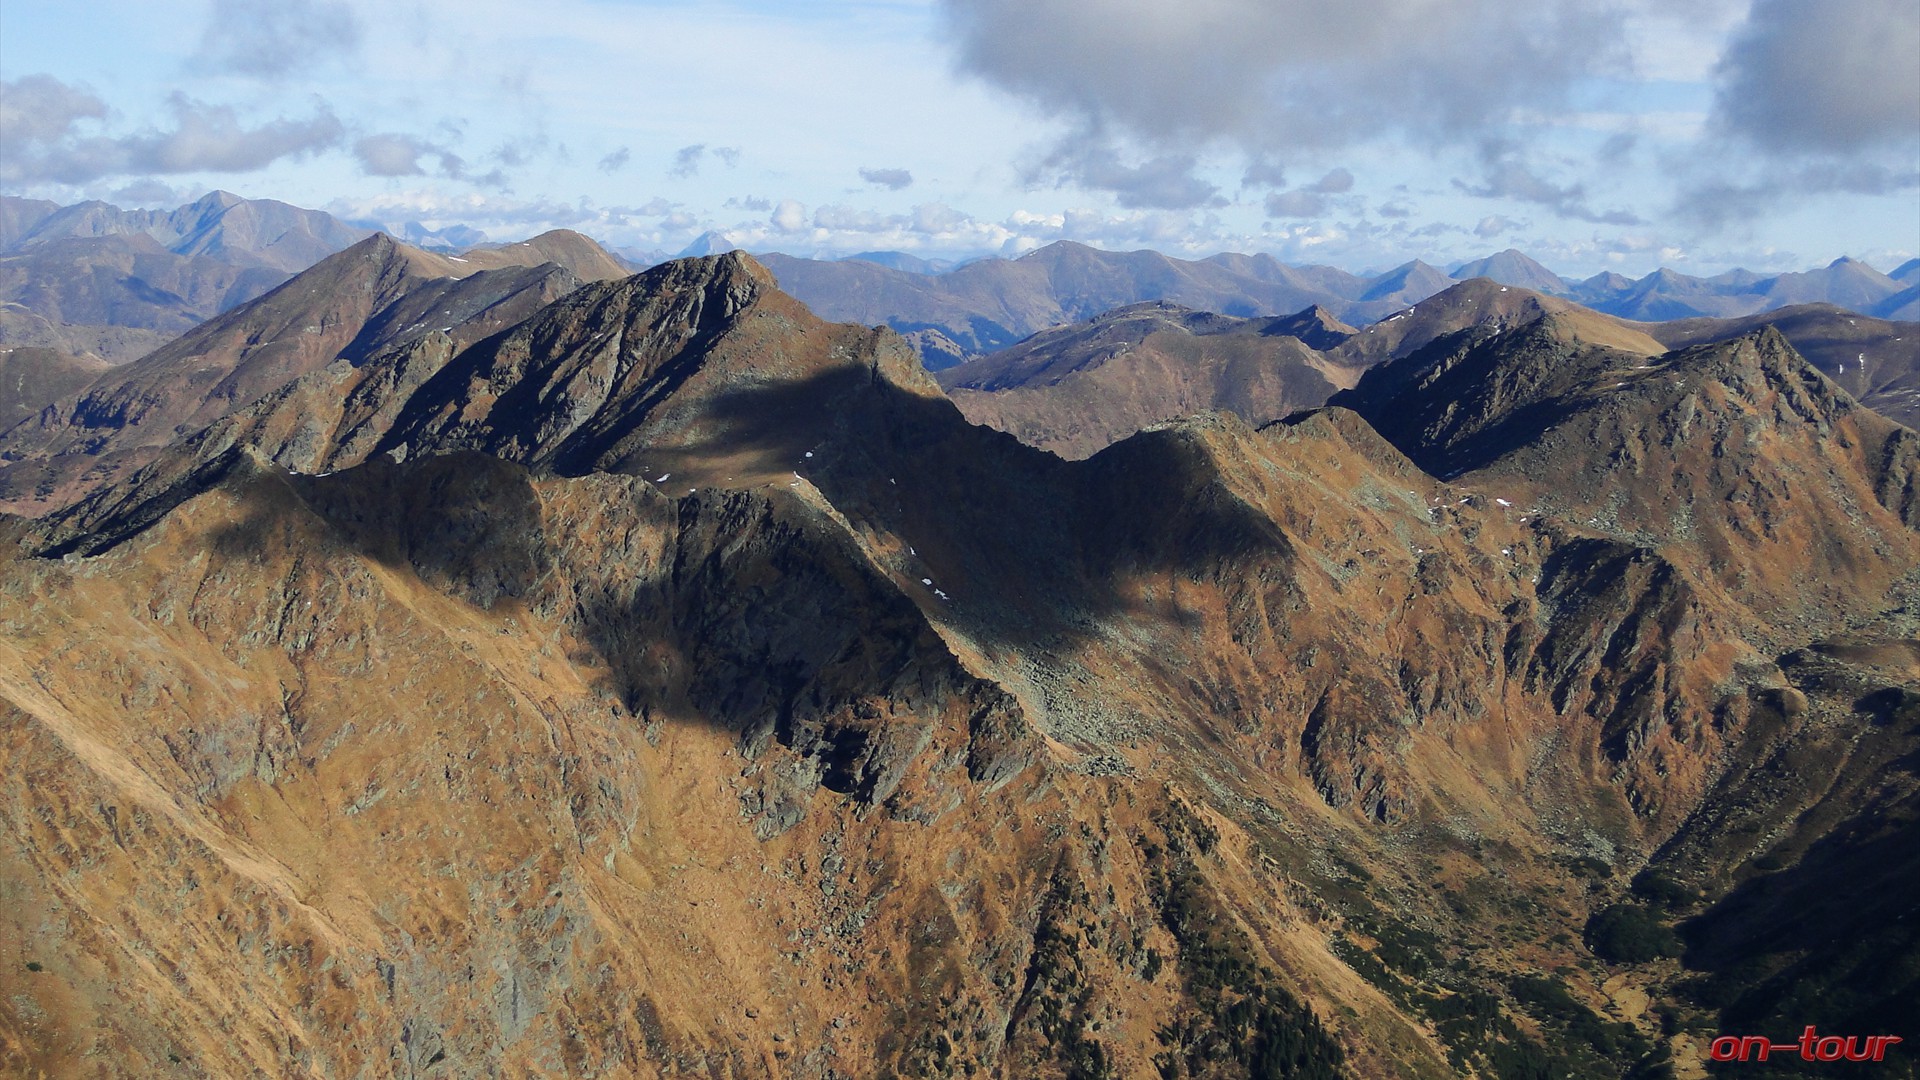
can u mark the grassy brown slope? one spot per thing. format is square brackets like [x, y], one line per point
[32, 378]
[1078, 389]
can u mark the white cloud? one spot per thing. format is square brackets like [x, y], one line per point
[1829, 77]
[42, 137]
[1507, 176]
[788, 217]
[1163, 182]
[1272, 76]
[390, 155]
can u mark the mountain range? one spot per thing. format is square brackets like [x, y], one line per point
[1077, 389]
[92, 279]
[376, 295]
[97, 281]
[647, 676]
[987, 305]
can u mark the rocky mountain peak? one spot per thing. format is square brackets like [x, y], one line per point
[685, 359]
[1316, 326]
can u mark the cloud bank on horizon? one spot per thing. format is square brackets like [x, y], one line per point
[1617, 134]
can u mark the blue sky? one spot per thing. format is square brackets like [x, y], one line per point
[1593, 134]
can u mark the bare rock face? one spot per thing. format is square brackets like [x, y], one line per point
[672, 683]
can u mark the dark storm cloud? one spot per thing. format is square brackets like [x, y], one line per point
[1163, 182]
[272, 39]
[891, 179]
[1829, 77]
[41, 137]
[1506, 176]
[1310, 200]
[1270, 76]
[1713, 205]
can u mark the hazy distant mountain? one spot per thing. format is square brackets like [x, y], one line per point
[18, 216]
[988, 305]
[711, 242]
[900, 260]
[1605, 283]
[126, 279]
[119, 283]
[638, 259]
[581, 255]
[1511, 267]
[1408, 283]
[1847, 283]
[90, 267]
[243, 232]
[1668, 294]
[1903, 305]
[992, 303]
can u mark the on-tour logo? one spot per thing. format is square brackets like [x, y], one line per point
[1812, 1046]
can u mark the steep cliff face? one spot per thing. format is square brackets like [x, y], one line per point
[676, 684]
